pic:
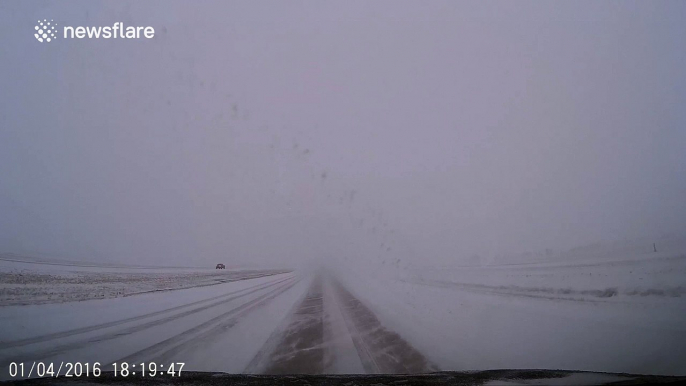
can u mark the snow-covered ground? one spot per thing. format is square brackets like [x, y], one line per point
[651, 279]
[611, 308]
[210, 327]
[25, 280]
[625, 313]
[618, 270]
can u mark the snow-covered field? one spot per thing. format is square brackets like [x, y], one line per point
[610, 309]
[651, 279]
[613, 271]
[25, 280]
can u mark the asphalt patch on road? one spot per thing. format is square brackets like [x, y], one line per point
[301, 350]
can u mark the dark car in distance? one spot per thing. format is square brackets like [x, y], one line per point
[221, 266]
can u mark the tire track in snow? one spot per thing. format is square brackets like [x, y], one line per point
[174, 344]
[258, 362]
[301, 347]
[346, 357]
[207, 336]
[55, 350]
[380, 350]
[82, 330]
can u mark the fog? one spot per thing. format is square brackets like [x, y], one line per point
[296, 133]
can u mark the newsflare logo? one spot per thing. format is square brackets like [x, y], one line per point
[46, 31]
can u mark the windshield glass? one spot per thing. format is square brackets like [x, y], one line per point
[342, 187]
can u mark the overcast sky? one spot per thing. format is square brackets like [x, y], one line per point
[296, 131]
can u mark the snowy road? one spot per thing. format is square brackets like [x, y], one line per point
[145, 327]
[330, 331]
[279, 324]
[322, 322]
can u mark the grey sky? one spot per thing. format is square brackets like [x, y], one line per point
[271, 131]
